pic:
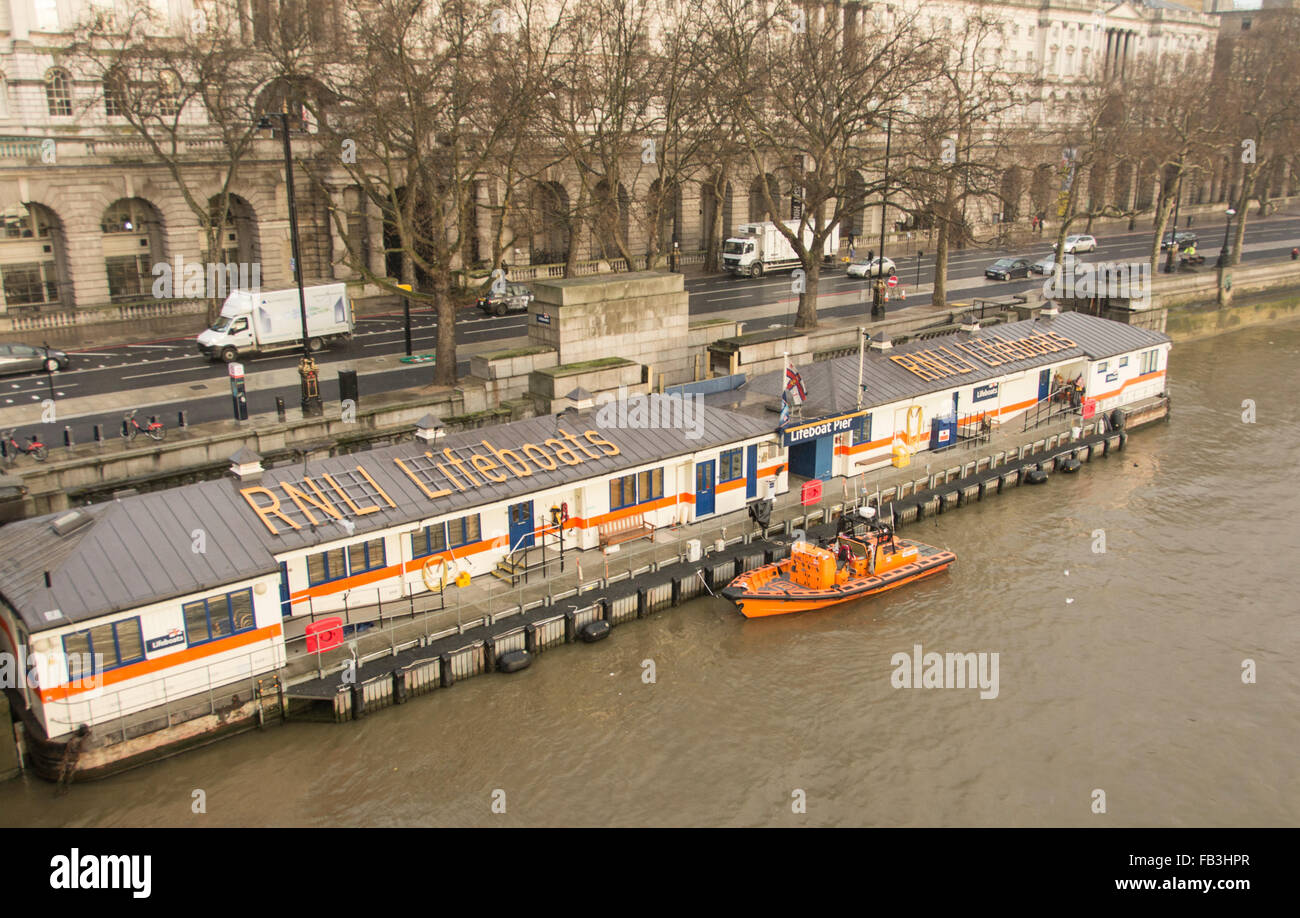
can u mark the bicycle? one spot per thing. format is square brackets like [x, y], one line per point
[131, 428]
[36, 449]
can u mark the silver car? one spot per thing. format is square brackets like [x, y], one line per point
[24, 358]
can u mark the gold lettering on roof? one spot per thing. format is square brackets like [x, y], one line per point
[933, 364]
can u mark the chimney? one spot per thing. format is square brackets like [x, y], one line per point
[581, 398]
[429, 428]
[881, 342]
[969, 323]
[246, 465]
[1049, 309]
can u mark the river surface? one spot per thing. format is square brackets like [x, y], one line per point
[1118, 672]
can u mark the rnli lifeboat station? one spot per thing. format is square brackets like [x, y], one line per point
[183, 596]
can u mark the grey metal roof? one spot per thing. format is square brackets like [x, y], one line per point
[832, 384]
[140, 549]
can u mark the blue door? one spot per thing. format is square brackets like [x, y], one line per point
[704, 488]
[521, 525]
[1044, 383]
[751, 472]
[825, 453]
[286, 607]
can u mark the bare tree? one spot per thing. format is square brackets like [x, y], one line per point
[813, 97]
[1256, 95]
[190, 95]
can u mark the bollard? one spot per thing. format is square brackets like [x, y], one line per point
[67, 437]
[358, 701]
[279, 408]
[99, 434]
[182, 419]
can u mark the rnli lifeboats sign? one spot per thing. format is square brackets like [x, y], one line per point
[821, 428]
[434, 474]
[984, 393]
[944, 362]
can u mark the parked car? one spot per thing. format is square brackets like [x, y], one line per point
[1184, 238]
[1079, 244]
[1047, 264]
[24, 358]
[1007, 268]
[862, 267]
[515, 298]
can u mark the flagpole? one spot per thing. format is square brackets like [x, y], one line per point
[862, 338]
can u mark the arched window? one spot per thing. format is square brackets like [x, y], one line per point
[169, 93]
[58, 93]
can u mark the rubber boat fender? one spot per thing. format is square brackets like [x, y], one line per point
[1072, 463]
[1036, 475]
[514, 660]
[594, 631]
[1117, 418]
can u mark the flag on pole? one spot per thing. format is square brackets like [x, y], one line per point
[794, 381]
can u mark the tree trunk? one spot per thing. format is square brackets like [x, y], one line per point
[1162, 217]
[940, 298]
[1248, 181]
[212, 244]
[807, 316]
[444, 371]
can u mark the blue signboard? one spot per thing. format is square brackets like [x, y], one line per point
[984, 393]
[820, 428]
[1112, 377]
[543, 318]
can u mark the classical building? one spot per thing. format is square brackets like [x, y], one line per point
[87, 210]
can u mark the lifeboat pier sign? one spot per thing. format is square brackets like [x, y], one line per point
[822, 427]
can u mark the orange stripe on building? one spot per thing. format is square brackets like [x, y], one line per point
[145, 667]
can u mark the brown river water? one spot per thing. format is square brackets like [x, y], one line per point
[1118, 671]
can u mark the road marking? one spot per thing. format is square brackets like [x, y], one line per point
[161, 372]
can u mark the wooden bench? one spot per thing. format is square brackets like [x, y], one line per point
[625, 530]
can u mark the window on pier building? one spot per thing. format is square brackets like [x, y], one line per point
[650, 485]
[861, 429]
[622, 492]
[325, 566]
[366, 556]
[731, 465]
[218, 617]
[1150, 362]
[103, 647]
[429, 541]
[463, 531]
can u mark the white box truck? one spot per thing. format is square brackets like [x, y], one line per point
[758, 248]
[255, 322]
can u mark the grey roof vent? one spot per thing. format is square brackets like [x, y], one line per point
[71, 522]
[1049, 309]
[429, 428]
[581, 398]
[245, 464]
[969, 323]
[881, 342]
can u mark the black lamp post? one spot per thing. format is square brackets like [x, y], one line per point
[308, 375]
[878, 292]
[1223, 252]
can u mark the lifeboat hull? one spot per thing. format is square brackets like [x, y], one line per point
[778, 595]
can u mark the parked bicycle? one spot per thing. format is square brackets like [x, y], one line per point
[36, 449]
[131, 428]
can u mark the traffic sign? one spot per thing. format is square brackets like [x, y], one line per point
[893, 280]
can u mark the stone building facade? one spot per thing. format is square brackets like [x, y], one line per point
[87, 211]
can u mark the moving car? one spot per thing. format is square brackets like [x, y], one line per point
[24, 358]
[1047, 264]
[862, 267]
[515, 298]
[1079, 243]
[1007, 268]
[1184, 238]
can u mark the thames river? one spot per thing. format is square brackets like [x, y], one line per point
[1124, 604]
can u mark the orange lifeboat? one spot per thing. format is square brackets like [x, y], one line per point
[813, 577]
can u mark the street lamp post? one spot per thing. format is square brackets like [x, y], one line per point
[878, 292]
[308, 374]
[1223, 252]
